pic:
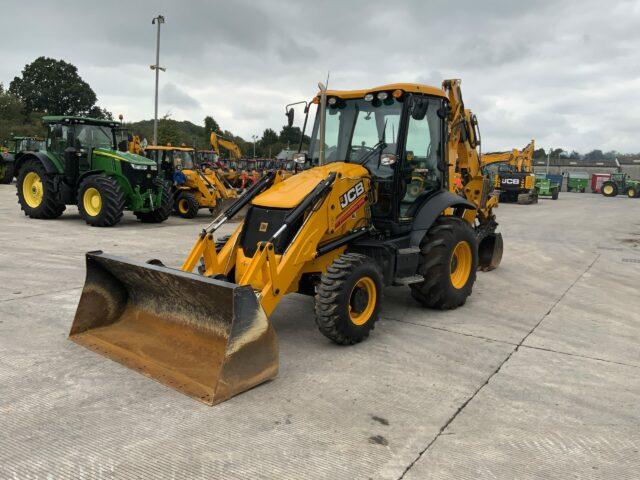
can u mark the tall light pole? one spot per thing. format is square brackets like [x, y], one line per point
[159, 20]
[548, 159]
[254, 137]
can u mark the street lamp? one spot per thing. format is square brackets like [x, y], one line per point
[254, 138]
[548, 159]
[157, 20]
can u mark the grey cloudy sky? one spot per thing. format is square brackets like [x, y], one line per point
[565, 72]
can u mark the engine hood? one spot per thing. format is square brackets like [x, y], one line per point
[290, 192]
[124, 156]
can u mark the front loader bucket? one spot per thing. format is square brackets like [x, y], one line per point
[206, 338]
[490, 251]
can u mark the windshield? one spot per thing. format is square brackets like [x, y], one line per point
[183, 159]
[354, 127]
[93, 136]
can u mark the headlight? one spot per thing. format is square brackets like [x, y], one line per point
[382, 95]
[368, 97]
[300, 158]
[135, 166]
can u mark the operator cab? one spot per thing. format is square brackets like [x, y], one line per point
[398, 135]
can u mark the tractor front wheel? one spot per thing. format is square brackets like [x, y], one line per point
[100, 201]
[161, 213]
[7, 174]
[448, 263]
[186, 205]
[632, 192]
[36, 193]
[348, 299]
[609, 189]
[554, 193]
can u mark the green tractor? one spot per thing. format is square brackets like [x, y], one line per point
[80, 165]
[545, 187]
[577, 181]
[620, 183]
[17, 147]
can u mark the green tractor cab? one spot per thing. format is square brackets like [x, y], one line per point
[545, 187]
[620, 183]
[81, 165]
[577, 181]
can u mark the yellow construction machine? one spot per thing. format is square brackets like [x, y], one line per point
[512, 174]
[194, 188]
[341, 230]
[231, 174]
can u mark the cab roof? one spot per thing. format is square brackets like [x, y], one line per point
[405, 87]
[71, 119]
[168, 148]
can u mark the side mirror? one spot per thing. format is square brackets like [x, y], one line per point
[419, 108]
[388, 159]
[290, 115]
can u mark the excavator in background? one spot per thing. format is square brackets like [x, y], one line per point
[340, 230]
[231, 174]
[193, 188]
[512, 174]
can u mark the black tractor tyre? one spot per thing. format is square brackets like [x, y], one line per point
[554, 193]
[632, 192]
[582, 190]
[348, 299]
[7, 177]
[161, 213]
[612, 192]
[49, 207]
[186, 205]
[111, 198]
[444, 287]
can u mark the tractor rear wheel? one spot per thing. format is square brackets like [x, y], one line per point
[186, 205]
[36, 193]
[161, 213]
[100, 201]
[449, 259]
[348, 298]
[609, 189]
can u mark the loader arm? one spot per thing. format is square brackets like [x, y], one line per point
[218, 141]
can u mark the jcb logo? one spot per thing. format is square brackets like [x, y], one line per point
[511, 181]
[351, 195]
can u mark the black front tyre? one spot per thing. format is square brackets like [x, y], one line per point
[554, 193]
[449, 260]
[161, 213]
[36, 192]
[7, 175]
[348, 299]
[100, 201]
[632, 192]
[186, 205]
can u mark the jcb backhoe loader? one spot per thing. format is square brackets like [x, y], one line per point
[232, 174]
[513, 178]
[341, 230]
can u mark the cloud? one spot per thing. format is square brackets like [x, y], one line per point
[564, 72]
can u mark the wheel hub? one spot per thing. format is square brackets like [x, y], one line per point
[362, 301]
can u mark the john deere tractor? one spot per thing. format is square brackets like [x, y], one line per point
[621, 183]
[80, 165]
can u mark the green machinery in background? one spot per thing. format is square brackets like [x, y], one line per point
[545, 187]
[620, 183]
[79, 164]
[17, 147]
[577, 181]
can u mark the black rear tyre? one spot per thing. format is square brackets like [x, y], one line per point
[36, 193]
[448, 264]
[186, 205]
[609, 189]
[100, 201]
[161, 213]
[348, 299]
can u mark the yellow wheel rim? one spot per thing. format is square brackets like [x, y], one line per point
[631, 192]
[183, 206]
[362, 301]
[32, 189]
[461, 261]
[92, 202]
[608, 189]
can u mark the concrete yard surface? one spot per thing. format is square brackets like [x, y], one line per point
[537, 376]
